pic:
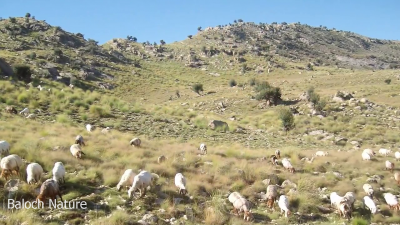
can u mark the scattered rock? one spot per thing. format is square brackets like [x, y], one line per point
[218, 124]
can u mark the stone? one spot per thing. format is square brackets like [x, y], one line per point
[218, 124]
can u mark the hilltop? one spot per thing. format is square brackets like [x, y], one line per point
[149, 91]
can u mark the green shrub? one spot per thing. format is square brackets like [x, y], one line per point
[287, 118]
[252, 81]
[23, 97]
[197, 88]
[23, 73]
[98, 111]
[268, 93]
[387, 81]
[232, 83]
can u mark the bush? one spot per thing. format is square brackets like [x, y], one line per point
[197, 88]
[232, 83]
[387, 81]
[23, 73]
[32, 55]
[287, 118]
[28, 15]
[268, 93]
[13, 20]
[253, 81]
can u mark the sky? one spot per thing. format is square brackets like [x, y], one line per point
[174, 20]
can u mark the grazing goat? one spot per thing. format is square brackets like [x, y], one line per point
[34, 172]
[286, 163]
[345, 209]
[272, 194]
[106, 130]
[141, 182]
[59, 172]
[161, 159]
[31, 116]
[351, 198]
[365, 156]
[126, 179]
[180, 182]
[274, 159]
[135, 142]
[368, 190]
[11, 109]
[240, 204]
[384, 151]
[79, 140]
[76, 151]
[49, 189]
[24, 111]
[89, 128]
[370, 204]
[278, 153]
[283, 204]
[321, 153]
[392, 201]
[203, 149]
[397, 177]
[4, 148]
[9, 164]
[397, 156]
[389, 166]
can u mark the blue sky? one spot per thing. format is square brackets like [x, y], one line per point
[173, 20]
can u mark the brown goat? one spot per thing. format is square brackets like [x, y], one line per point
[11, 109]
[274, 159]
[50, 190]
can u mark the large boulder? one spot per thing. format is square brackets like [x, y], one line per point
[5, 68]
[218, 124]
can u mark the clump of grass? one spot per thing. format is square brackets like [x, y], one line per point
[23, 97]
[99, 111]
[232, 83]
[197, 88]
[62, 118]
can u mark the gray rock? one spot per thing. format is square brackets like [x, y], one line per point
[6, 68]
[218, 124]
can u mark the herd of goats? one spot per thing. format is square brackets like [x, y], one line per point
[50, 188]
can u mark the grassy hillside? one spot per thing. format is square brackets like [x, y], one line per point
[146, 90]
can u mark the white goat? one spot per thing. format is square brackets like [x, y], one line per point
[389, 166]
[369, 152]
[351, 198]
[321, 153]
[4, 148]
[106, 130]
[240, 204]
[24, 111]
[284, 205]
[9, 164]
[89, 127]
[392, 201]
[34, 172]
[31, 116]
[335, 198]
[384, 151]
[370, 204]
[126, 179]
[368, 190]
[397, 155]
[203, 149]
[286, 163]
[59, 172]
[366, 156]
[141, 182]
[76, 151]
[180, 182]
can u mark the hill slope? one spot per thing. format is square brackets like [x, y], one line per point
[146, 90]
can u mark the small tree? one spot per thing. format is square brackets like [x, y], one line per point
[268, 93]
[28, 15]
[13, 20]
[199, 29]
[287, 118]
[80, 35]
[190, 36]
[240, 20]
[232, 83]
[197, 88]
[23, 73]
[162, 42]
